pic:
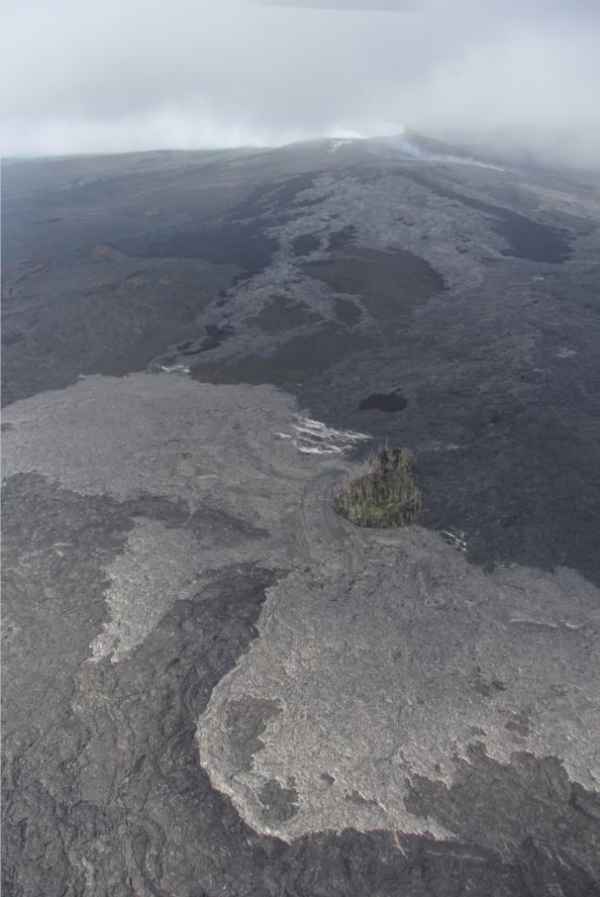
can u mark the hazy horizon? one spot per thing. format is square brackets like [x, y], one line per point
[204, 76]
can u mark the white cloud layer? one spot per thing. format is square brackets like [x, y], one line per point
[139, 74]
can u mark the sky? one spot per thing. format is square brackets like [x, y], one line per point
[125, 75]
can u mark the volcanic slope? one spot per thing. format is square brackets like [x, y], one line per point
[212, 683]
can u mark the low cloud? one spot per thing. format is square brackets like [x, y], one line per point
[135, 75]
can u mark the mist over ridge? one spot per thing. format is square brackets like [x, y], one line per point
[116, 78]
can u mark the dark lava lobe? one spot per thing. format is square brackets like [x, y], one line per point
[506, 801]
[235, 242]
[305, 244]
[281, 314]
[103, 788]
[291, 362]
[246, 722]
[391, 284]
[526, 238]
[384, 401]
[279, 803]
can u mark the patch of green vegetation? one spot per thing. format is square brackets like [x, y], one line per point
[386, 496]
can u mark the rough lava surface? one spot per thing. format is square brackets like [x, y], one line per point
[212, 683]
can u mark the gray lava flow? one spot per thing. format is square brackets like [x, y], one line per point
[213, 684]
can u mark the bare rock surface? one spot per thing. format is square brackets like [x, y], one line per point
[213, 685]
[383, 659]
[157, 568]
[393, 667]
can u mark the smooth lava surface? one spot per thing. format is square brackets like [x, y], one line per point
[384, 401]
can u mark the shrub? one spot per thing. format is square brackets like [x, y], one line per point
[385, 496]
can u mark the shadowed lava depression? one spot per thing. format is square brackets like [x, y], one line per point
[215, 685]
